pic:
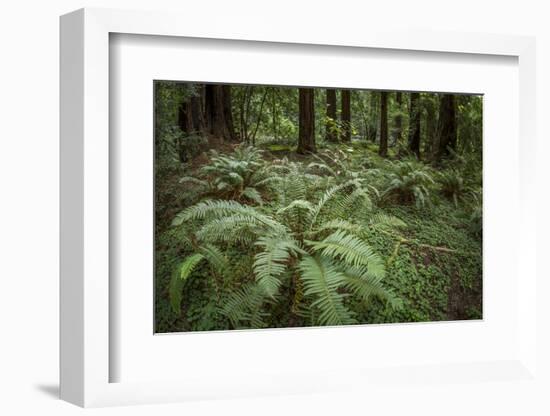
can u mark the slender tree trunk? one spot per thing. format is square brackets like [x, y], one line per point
[373, 116]
[306, 136]
[447, 131]
[398, 118]
[228, 112]
[183, 117]
[331, 133]
[430, 146]
[209, 110]
[383, 150]
[346, 116]
[259, 117]
[414, 124]
[196, 120]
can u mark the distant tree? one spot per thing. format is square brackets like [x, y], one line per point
[306, 134]
[331, 133]
[398, 122]
[346, 116]
[383, 149]
[217, 106]
[227, 111]
[447, 129]
[414, 125]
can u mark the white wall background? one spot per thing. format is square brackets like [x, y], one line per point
[29, 116]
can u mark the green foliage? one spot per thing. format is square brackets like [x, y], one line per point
[409, 181]
[301, 246]
[179, 277]
[256, 236]
[452, 185]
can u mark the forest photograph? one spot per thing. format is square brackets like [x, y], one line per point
[281, 207]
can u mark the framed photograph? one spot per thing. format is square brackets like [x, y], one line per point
[268, 213]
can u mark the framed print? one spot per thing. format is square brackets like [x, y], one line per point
[286, 222]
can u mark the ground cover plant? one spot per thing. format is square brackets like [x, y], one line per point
[291, 207]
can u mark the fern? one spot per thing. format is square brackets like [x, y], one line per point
[270, 263]
[363, 284]
[179, 277]
[244, 305]
[349, 248]
[322, 281]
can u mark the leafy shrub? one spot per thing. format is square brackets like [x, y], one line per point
[239, 176]
[452, 185]
[409, 181]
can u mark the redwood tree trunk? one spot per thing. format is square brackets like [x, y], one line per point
[331, 134]
[346, 115]
[228, 112]
[306, 136]
[414, 124]
[218, 117]
[398, 118]
[447, 131]
[195, 109]
[383, 150]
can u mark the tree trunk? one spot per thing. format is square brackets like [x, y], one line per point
[414, 124]
[346, 115]
[447, 131]
[331, 132]
[383, 150]
[208, 107]
[183, 117]
[398, 118]
[306, 136]
[216, 112]
[196, 121]
[228, 112]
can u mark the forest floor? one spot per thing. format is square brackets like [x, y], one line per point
[434, 265]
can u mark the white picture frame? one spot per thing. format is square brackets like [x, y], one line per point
[85, 219]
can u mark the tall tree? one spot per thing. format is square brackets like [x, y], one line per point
[398, 118]
[331, 134]
[383, 150]
[414, 124]
[216, 105]
[346, 115]
[306, 134]
[447, 129]
[228, 111]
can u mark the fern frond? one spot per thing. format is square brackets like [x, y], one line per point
[327, 197]
[244, 305]
[179, 276]
[195, 181]
[339, 224]
[270, 263]
[349, 248]
[219, 209]
[215, 258]
[253, 195]
[385, 221]
[230, 229]
[321, 280]
[361, 283]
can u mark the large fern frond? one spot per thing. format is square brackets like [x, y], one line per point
[220, 208]
[361, 283]
[271, 262]
[321, 280]
[179, 276]
[349, 248]
[243, 307]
